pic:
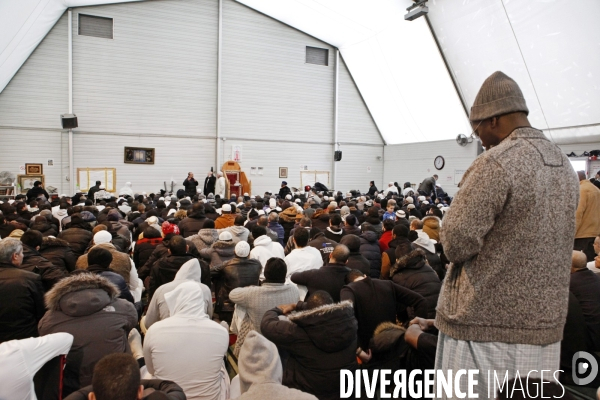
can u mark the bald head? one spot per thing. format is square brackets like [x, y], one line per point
[581, 175]
[578, 261]
[339, 254]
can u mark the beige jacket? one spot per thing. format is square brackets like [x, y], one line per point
[509, 234]
[588, 211]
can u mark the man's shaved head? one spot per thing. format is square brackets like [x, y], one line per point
[578, 261]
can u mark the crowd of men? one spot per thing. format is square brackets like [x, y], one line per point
[145, 294]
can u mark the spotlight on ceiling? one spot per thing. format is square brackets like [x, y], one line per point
[416, 10]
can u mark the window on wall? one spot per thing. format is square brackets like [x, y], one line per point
[316, 55]
[92, 25]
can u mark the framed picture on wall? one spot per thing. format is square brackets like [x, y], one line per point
[283, 172]
[138, 155]
[34, 169]
[26, 182]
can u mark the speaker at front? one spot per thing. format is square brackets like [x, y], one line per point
[337, 156]
[69, 121]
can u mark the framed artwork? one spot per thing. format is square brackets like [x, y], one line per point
[283, 172]
[138, 155]
[34, 169]
[25, 182]
[87, 177]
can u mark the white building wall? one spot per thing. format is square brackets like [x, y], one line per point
[414, 162]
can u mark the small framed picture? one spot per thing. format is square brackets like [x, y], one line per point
[138, 155]
[283, 172]
[34, 169]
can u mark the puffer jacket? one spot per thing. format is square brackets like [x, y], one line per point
[413, 272]
[219, 252]
[431, 226]
[320, 342]
[369, 248]
[34, 262]
[121, 263]
[237, 272]
[59, 253]
[42, 225]
[87, 306]
[144, 249]
[204, 238]
[192, 224]
[78, 239]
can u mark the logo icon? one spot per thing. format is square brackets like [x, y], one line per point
[583, 363]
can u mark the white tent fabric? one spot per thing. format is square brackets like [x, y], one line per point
[550, 47]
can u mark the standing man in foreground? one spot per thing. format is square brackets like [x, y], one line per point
[503, 304]
[587, 217]
[190, 185]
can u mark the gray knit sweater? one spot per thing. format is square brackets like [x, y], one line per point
[259, 299]
[509, 234]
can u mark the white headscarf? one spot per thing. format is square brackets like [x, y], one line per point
[186, 301]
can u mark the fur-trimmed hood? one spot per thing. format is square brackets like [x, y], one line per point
[81, 294]
[386, 335]
[50, 241]
[331, 327]
[413, 260]
[208, 236]
[289, 214]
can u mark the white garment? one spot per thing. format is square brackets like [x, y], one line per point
[126, 190]
[189, 272]
[188, 347]
[407, 190]
[265, 248]
[392, 189]
[303, 259]
[220, 187]
[136, 286]
[592, 267]
[22, 359]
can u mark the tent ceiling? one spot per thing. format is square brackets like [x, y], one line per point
[550, 47]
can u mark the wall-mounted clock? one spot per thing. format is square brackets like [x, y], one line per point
[439, 162]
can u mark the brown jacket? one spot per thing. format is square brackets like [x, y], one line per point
[588, 211]
[509, 234]
[225, 221]
[121, 263]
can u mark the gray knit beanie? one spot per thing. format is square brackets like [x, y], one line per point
[498, 95]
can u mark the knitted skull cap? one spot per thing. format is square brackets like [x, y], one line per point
[498, 95]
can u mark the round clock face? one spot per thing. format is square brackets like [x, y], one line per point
[439, 162]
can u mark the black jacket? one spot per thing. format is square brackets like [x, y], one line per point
[324, 245]
[334, 234]
[585, 285]
[115, 278]
[237, 272]
[190, 187]
[44, 227]
[6, 229]
[330, 278]
[192, 224]
[34, 262]
[161, 251]
[375, 302]
[209, 185]
[143, 250]
[35, 192]
[413, 272]
[372, 190]
[352, 230]
[320, 343]
[59, 253]
[284, 191]
[23, 303]
[78, 239]
[165, 269]
[357, 261]
[369, 248]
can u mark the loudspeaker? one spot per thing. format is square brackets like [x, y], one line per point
[69, 121]
[337, 156]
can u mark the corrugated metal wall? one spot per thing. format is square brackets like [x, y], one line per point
[268, 91]
[414, 162]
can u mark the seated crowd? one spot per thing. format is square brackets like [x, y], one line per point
[146, 294]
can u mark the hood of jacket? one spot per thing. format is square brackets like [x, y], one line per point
[259, 362]
[319, 213]
[369, 236]
[238, 230]
[331, 327]
[187, 301]
[263, 240]
[413, 260]
[224, 247]
[53, 242]
[338, 232]
[208, 236]
[289, 214]
[61, 212]
[190, 270]
[81, 294]
[41, 225]
[431, 226]
[386, 336]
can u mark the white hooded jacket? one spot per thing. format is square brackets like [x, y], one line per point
[126, 190]
[188, 347]
[265, 248]
[189, 272]
[220, 186]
